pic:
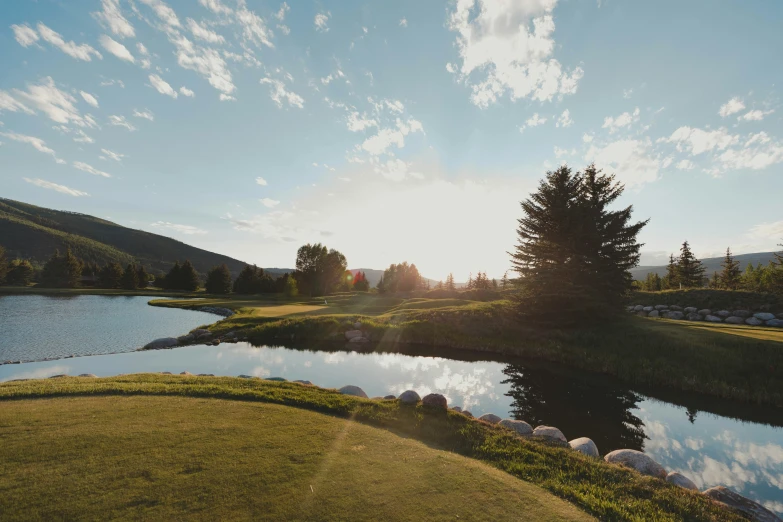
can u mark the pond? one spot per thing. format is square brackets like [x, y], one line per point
[713, 442]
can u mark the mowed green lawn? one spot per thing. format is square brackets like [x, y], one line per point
[172, 458]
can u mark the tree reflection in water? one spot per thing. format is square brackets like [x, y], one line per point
[577, 407]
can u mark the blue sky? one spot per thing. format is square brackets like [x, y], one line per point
[393, 130]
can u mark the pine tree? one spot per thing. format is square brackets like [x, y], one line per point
[130, 278]
[381, 286]
[690, 271]
[504, 282]
[670, 281]
[143, 277]
[218, 280]
[730, 276]
[450, 282]
[20, 272]
[110, 276]
[173, 279]
[3, 265]
[439, 286]
[62, 270]
[189, 277]
[469, 286]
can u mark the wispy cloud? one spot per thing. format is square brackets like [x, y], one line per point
[160, 85]
[116, 48]
[120, 121]
[54, 186]
[37, 143]
[90, 169]
[182, 229]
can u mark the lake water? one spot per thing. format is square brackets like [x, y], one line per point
[712, 442]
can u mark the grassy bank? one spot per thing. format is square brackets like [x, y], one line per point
[712, 299]
[162, 446]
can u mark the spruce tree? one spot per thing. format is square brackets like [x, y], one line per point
[450, 282]
[173, 279]
[504, 282]
[3, 265]
[730, 276]
[62, 270]
[110, 276]
[248, 281]
[189, 277]
[20, 273]
[690, 271]
[218, 280]
[670, 280]
[143, 277]
[130, 278]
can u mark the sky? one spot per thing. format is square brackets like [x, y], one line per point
[393, 131]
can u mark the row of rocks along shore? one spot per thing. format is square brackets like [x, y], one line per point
[691, 313]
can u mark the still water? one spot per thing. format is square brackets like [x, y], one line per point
[713, 442]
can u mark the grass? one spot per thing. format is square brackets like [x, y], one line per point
[159, 446]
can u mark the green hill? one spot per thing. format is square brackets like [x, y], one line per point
[31, 232]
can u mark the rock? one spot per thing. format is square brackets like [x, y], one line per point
[654, 313]
[277, 379]
[489, 417]
[229, 335]
[357, 325]
[690, 310]
[409, 397]
[642, 313]
[636, 460]
[466, 413]
[713, 319]
[648, 308]
[521, 427]
[163, 342]
[352, 334]
[185, 373]
[303, 382]
[755, 511]
[584, 445]
[681, 480]
[723, 313]
[661, 307]
[777, 323]
[359, 340]
[245, 376]
[184, 339]
[389, 397]
[741, 313]
[752, 321]
[353, 390]
[780, 316]
[165, 373]
[630, 308]
[638, 308]
[59, 376]
[457, 409]
[704, 311]
[199, 331]
[206, 374]
[677, 316]
[764, 316]
[87, 375]
[735, 320]
[676, 308]
[435, 400]
[693, 316]
[548, 432]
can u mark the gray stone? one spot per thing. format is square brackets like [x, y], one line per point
[693, 316]
[352, 334]
[163, 342]
[435, 400]
[388, 397]
[648, 308]
[723, 313]
[185, 373]
[549, 432]
[59, 376]
[754, 510]
[199, 331]
[206, 374]
[752, 321]
[741, 313]
[676, 308]
[490, 418]
[678, 479]
[642, 313]
[409, 397]
[704, 311]
[245, 376]
[630, 308]
[654, 313]
[777, 323]
[277, 379]
[764, 316]
[713, 319]
[357, 325]
[584, 445]
[466, 413]
[690, 310]
[87, 375]
[638, 461]
[457, 409]
[638, 308]
[359, 340]
[735, 320]
[303, 382]
[521, 427]
[677, 316]
[661, 307]
[184, 339]
[353, 390]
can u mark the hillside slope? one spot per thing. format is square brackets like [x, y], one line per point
[712, 264]
[32, 232]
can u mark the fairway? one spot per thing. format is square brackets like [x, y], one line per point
[209, 459]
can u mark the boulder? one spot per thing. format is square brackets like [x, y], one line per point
[521, 427]
[690, 310]
[642, 313]
[184, 339]
[704, 311]
[754, 510]
[638, 308]
[693, 316]
[654, 313]
[741, 313]
[548, 432]
[357, 325]
[584, 445]
[764, 316]
[409, 397]
[661, 307]
[678, 479]
[302, 382]
[677, 316]
[752, 321]
[489, 417]
[435, 400]
[676, 308]
[723, 313]
[713, 319]
[206, 374]
[457, 409]
[352, 334]
[353, 390]
[648, 308]
[199, 331]
[466, 413]
[87, 375]
[636, 460]
[630, 308]
[359, 340]
[245, 376]
[185, 373]
[387, 397]
[778, 323]
[58, 376]
[735, 320]
[277, 379]
[163, 342]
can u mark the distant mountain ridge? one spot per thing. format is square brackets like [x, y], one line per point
[711, 263]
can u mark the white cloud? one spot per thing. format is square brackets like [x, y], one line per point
[280, 15]
[755, 115]
[685, 165]
[204, 61]
[226, 97]
[358, 122]
[112, 155]
[160, 85]
[396, 169]
[758, 152]
[403, 22]
[120, 121]
[261, 181]
[165, 13]
[82, 137]
[58, 105]
[9, 103]
[565, 119]
[108, 83]
[767, 231]
[534, 121]
[587, 138]
[284, 29]
[90, 169]
[623, 120]
[216, 6]
[182, 229]
[507, 47]
[37, 143]
[627, 93]
[116, 48]
[278, 93]
[89, 98]
[630, 160]
[563, 152]
[142, 49]
[320, 22]
[54, 186]
[146, 114]
[79, 51]
[112, 17]
[186, 92]
[698, 141]
[25, 35]
[386, 137]
[732, 106]
[202, 32]
[269, 203]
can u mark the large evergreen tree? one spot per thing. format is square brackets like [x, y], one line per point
[62, 271]
[173, 279]
[670, 280]
[189, 277]
[110, 276]
[130, 277]
[20, 273]
[730, 277]
[143, 277]
[3, 265]
[218, 280]
[690, 271]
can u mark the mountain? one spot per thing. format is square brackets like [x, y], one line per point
[31, 232]
[712, 264]
[373, 276]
